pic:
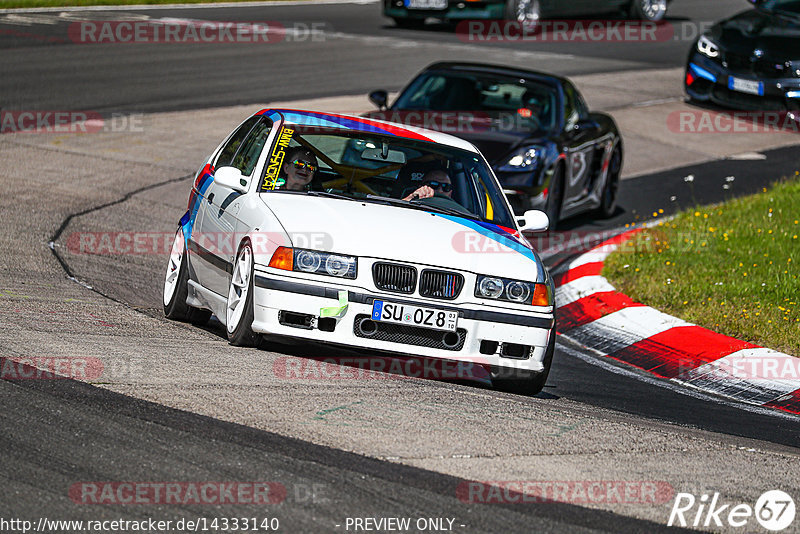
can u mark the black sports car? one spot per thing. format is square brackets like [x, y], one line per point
[409, 13]
[750, 61]
[548, 150]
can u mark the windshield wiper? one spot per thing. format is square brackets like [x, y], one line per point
[423, 207]
[326, 194]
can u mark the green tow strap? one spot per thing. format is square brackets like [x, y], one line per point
[336, 311]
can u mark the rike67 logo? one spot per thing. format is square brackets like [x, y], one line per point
[774, 510]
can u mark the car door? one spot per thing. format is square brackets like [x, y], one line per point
[215, 243]
[580, 143]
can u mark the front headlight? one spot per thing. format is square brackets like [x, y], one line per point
[525, 159]
[516, 291]
[311, 261]
[707, 47]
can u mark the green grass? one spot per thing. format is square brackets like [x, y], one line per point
[732, 267]
[7, 4]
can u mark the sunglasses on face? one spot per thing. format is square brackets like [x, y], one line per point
[445, 187]
[300, 164]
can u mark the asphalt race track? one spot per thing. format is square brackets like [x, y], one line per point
[176, 403]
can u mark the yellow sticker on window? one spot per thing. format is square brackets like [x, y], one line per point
[276, 160]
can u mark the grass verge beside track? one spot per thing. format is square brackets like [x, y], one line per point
[9, 4]
[731, 267]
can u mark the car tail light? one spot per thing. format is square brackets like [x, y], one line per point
[282, 258]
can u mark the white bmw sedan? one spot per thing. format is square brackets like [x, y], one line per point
[367, 234]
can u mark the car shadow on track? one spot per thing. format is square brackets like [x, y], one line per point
[304, 360]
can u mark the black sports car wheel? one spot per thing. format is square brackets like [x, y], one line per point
[652, 10]
[526, 12]
[555, 197]
[608, 200]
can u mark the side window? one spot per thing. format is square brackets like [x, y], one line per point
[574, 107]
[429, 90]
[246, 158]
[571, 113]
[229, 150]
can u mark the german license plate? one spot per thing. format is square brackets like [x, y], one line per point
[426, 4]
[389, 312]
[746, 86]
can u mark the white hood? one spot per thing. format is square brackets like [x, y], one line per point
[406, 235]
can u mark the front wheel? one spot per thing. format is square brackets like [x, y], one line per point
[529, 384]
[176, 286]
[555, 197]
[650, 10]
[526, 12]
[239, 310]
[608, 199]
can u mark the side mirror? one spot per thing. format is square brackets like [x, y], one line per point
[585, 124]
[533, 221]
[231, 177]
[380, 98]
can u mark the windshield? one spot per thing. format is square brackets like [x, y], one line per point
[785, 6]
[384, 169]
[519, 103]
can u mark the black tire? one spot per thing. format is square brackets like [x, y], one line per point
[608, 199]
[555, 197]
[649, 10]
[177, 309]
[529, 383]
[526, 12]
[243, 335]
[409, 24]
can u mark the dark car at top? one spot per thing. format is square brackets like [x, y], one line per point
[411, 13]
[750, 61]
[548, 150]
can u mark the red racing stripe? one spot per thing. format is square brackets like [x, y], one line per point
[679, 350]
[591, 308]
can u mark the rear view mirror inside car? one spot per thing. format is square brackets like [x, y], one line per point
[388, 156]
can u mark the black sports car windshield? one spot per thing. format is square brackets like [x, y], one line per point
[384, 169]
[518, 103]
[791, 7]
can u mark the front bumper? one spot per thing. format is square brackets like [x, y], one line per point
[710, 83]
[456, 10]
[289, 306]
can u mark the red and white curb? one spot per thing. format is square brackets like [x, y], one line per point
[592, 313]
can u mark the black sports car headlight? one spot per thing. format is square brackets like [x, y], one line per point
[707, 47]
[516, 291]
[310, 261]
[524, 159]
